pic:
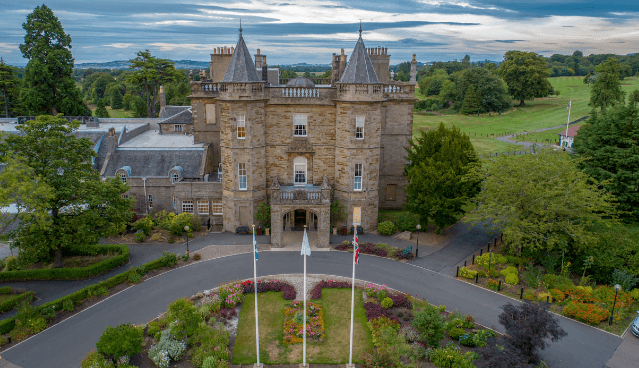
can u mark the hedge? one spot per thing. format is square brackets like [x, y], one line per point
[6, 325]
[15, 300]
[74, 273]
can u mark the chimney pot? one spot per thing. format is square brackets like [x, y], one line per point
[258, 51]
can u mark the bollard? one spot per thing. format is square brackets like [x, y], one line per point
[499, 286]
[488, 248]
[495, 241]
[464, 263]
[477, 277]
[490, 258]
[502, 237]
[521, 295]
[473, 259]
[547, 300]
[457, 274]
[481, 251]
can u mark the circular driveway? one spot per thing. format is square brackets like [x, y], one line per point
[65, 344]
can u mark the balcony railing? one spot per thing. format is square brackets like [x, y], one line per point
[290, 194]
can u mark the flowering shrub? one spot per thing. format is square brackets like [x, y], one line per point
[466, 273]
[159, 357]
[585, 312]
[231, 295]
[376, 291]
[492, 284]
[379, 325]
[294, 323]
[606, 295]
[556, 295]
[288, 291]
[316, 293]
[400, 300]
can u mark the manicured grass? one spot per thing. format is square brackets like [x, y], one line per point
[119, 113]
[539, 137]
[540, 113]
[337, 306]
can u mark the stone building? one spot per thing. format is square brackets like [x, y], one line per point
[301, 146]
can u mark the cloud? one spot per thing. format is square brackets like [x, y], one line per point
[508, 41]
[120, 45]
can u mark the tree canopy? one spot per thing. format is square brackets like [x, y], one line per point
[610, 145]
[148, 75]
[82, 207]
[8, 81]
[48, 79]
[606, 90]
[439, 159]
[540, 202]
[526, 75]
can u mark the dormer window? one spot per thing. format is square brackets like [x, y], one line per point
[178, 127]
[175, 177]
[122, 176]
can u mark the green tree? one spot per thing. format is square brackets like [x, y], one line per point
[526, 75]
[439, 159]
[8, 80]
[634, 98]
[307, 74]
[472, 103]
[606, 91]
[430, 325]
[82, 208]
[610, 145]
[117, 101]
[540, 202]
[48, 78]
[100, 86]
[148, 75]
[101, 111]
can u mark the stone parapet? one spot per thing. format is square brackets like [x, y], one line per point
[360, 92]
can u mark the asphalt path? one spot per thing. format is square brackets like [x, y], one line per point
[65, 344]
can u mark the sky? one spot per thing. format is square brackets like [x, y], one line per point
[294, 31]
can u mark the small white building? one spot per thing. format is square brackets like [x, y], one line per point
[567, 137]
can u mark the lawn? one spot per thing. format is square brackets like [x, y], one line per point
[540, 113]
[337, 306]
[115, 113]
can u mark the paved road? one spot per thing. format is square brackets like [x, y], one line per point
[66, 343]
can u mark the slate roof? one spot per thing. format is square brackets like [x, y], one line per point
[300, 82]
[359, 69]
[241, 67]
[156, 163]
[572, 131]
[172, 110]
[183, 116]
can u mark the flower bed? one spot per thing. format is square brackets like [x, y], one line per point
[316, 293]
[380, 250]
[263, 286]
[294, 323]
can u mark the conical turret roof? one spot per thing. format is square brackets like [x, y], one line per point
[359, 68]
[241, 67]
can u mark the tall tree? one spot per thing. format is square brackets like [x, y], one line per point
[472, 103]
[489, 89]
[48, 79]
[82, 207]
[149, 74]
[526, 75]
[610, 145]
[540, 202]
[606, 91]
[439, 159]
[8, 80]
[101, 111]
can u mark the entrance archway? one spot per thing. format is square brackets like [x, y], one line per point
[296, 219]
[288, 220]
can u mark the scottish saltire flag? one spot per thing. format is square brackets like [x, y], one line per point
[306, 248]
[257, 256]
[356, 248]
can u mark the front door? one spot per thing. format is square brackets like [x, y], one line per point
[300, 219]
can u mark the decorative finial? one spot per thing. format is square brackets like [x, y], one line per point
[360, 27]
[240, 26]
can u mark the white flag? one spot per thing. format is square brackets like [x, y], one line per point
[569, 104]
[306, 248]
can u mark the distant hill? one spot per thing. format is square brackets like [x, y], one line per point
[124, 64]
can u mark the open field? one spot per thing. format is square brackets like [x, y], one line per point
[540, 113]
[337, 307]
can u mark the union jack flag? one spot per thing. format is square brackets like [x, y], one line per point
[356, 248]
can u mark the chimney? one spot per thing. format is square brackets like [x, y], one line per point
[162, 100]
[413, 71]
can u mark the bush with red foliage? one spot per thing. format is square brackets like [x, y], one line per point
[400, 300]
[344, 246]
[227, 313]
[288, 291]
[375, 310]
[316, 293]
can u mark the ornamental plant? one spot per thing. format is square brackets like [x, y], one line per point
[119, 341]
[294, 323]
[450, 356]
[512, 279]
[387, 303]
[588, 313]
[231, 295]
[185, 318]
[466, 273]
[430, 324]
[386, 228]
[379, 326]
[509, 270]
[410, 333]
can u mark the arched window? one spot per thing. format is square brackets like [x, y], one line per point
[299, 169]
[122, 176]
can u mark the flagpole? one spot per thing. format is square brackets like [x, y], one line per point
[350, 354]
[304, 353]
[568, 122]
[257, 327]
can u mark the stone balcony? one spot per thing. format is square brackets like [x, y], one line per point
[300, 195]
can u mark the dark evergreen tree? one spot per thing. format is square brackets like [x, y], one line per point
[610, 144]
[439, 159]
[48, 79]
[472, 103]
[8, 82]
[101, 111]
[148, 75]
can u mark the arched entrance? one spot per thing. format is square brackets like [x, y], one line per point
[296, 219]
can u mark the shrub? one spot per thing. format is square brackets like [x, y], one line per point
[9, 303]
[469, 322]
[123, 340]
[185, 316]
[512, 279]
[6, 290]
[159, 357]
[492, 284]
[509, 270]
[168, 259]
[133, 277]
[382, 357]
[231, 294]
[154, 329]
[11, 263]
[25, 327]
[139, 236]
[197, 257]
[180, 221]
[466, 273]
[212, 342]
[430, 324]
[450, 356]
[407, 222]
[387, 303]
[556, 295]
[529, 295]
[482, 336]
[542, 297]
[386, 228]
[624, 279]
[635, 294]
[144, 225]
[67, 305]
[500, 258]
[484, 259]
[374, 310]
[400, 300]
[455, 333]
[95, 360]
[467, 339]
[379, 325]
[409, 333]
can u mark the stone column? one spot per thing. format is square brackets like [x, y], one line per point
[323, 227]
[276, 226]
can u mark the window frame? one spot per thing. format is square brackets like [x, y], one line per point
[300, 161]
[150, 200]
[358, 168]
[360, 122]
[123, 177]
[242, 174]
[240, 122]
[200, 207]
[187, 203]
[178, 127]
[175, 177]
[303, 130]
[215, 204]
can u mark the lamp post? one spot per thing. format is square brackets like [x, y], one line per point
[186, 228]
[417, 246]
[617, 288]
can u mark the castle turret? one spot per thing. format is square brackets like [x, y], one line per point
[413, 71]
